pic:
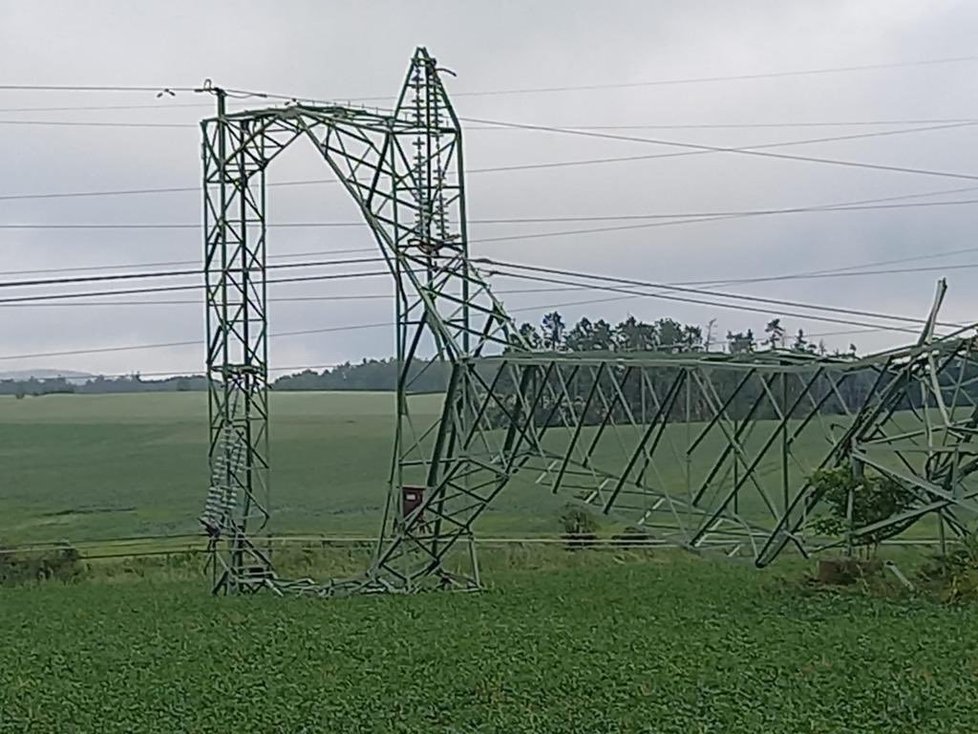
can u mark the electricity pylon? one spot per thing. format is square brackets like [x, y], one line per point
[704, 450]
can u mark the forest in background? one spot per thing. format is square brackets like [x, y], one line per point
[551, 334]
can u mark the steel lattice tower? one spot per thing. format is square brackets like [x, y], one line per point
[673, 445]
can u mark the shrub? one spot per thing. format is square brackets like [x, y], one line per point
[62, 563]
[874, 498]
[580, 527]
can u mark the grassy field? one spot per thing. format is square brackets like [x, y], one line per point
[93, 467]
[593, 641]
[88, 467]
[617, 644]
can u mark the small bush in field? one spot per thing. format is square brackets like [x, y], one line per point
[62, 563]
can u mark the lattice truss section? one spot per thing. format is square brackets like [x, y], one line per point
[705, 451]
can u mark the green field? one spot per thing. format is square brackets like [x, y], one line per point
[90, 467]
[94, 467]
[591, 641]
[618, 644]
[87, 468]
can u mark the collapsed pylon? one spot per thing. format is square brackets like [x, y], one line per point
[707, 451]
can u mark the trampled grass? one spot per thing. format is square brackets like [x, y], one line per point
[662, 645]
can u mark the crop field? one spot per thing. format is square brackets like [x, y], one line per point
[89, 467]
[93, 467]
[602, 640]
[608, 643]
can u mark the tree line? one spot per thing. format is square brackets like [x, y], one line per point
[36, 387]
[552, 333]
[664, 335]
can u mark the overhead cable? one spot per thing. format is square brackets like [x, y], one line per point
[701, 291]
[744, 150]
[696, 150]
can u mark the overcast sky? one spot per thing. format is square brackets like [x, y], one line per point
[349, 50]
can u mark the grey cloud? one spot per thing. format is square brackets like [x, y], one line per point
[341, 50]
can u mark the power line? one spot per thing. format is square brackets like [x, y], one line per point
[723, 213]
[840, 273]
[359, 250]
[486, 128]
[751, 150]
[705, 215]
[846, 332]
[90, 108]
[670, 297]
[350, 327]
[116, 266]
[874, 263]
[30, 302]
[161, 91]
[285, 299]
[840, 206]
[696, 150]
[115, 192]
[156, 89]
[700, 291]
[628, 294]
[93, 88]
[829, 275]
[678, 222]
[933, 124]
[524, 236]
[761, 146]
[302, 332]
[192, 342]
[710, 79]
[493, 128]
[730, 306]
[696, 217]
[808, 274]
[98, 123]
[746, 150]
[836, 206]
[198, 286]
[745, 125]
[174, 273]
